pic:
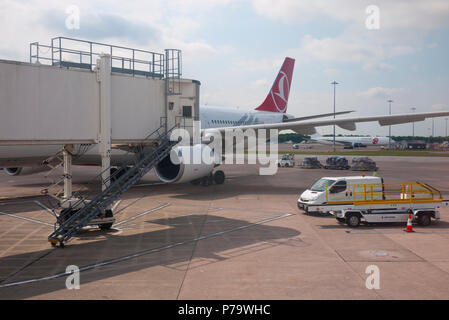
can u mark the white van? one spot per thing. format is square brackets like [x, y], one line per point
[341, 189]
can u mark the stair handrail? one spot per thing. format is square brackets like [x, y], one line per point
[79, 194]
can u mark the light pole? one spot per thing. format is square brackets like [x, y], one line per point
[446, 127]
[433, 128]
[413, 124]
[334, 84]
[389, 129]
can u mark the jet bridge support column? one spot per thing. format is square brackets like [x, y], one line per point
[67, 157]
[104, 77]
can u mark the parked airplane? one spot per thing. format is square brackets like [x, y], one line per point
[351, 141]
[271, 114]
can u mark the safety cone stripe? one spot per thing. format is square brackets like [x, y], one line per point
[409, 227]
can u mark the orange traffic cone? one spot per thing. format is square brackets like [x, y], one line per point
[409, 227]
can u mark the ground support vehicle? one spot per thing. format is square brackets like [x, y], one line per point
[380, 203]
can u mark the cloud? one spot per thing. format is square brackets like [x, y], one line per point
[380, 92]
[416, 14]
[439, 107]
[258, 65]
[371, 53]
[264, 83]
[404, 24]
[148, 25]
[103, 26]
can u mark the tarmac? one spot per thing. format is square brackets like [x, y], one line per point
[245, 239]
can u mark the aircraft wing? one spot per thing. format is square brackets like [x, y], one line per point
[317, 116]
[308, 126]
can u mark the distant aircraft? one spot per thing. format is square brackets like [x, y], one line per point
[352, 141]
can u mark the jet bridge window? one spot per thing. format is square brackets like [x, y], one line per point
[338, 187]
[187, 111]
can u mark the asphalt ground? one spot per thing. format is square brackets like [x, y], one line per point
[245, 239]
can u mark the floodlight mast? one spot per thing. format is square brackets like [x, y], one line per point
[389, 129]
[334, 83]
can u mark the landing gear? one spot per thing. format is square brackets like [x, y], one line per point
[106, 226]
[218, 177]
[207, 180]
[116, 173]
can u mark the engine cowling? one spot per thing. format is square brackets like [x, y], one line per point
[179, 167]
[12, 171]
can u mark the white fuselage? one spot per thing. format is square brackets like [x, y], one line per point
[368, 141]
[219, 117]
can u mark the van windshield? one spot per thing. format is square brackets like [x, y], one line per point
[321, 184]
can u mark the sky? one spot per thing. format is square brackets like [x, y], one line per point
[376, 50]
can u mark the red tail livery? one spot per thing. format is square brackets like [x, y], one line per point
[277, 98]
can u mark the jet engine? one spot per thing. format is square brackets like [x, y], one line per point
[12, 171]
[185, 163]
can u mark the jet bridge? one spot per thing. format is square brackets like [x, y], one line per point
[76, 92]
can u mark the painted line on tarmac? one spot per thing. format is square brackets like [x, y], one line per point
[116, 205]
[142, 214]
[134, 226]
[142, 253]
[27, 219]
[148, 184]
[44, 207]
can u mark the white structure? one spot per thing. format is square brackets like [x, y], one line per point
[108, 101]
[42, 104]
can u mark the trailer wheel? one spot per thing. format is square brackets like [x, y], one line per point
[353, 220]
[424, 220]
[106, 226]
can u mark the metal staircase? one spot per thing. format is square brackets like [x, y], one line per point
[84, 210]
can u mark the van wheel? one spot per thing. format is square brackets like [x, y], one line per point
[424, 220]
[353, 220]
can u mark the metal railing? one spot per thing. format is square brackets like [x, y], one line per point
[407, 192]
[87, 207]
[76, 53]
[173, 71]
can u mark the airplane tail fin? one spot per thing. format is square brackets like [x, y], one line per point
[277, 98]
